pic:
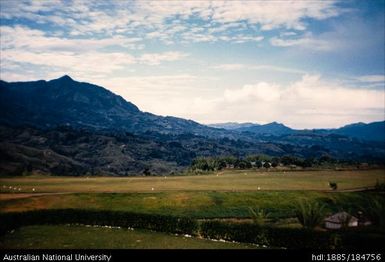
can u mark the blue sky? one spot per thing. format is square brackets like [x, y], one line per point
[307, 64]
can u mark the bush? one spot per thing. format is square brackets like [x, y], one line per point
[259, 216]
[333, 185]
[375, 211]
[309, 214]
[380, 186]
[298, 238]
[265, 235]
[98, 217]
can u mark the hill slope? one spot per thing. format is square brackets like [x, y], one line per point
[65, 101]
[373, 131]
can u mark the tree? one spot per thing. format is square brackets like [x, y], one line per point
[242, 164]
[287, 160]
[266, 165]
[147, 172]
[274, 162]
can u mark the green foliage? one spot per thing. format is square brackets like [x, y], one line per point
[265, 235]
[374, 209]
[259, 216]
[333, 185]
[162, 223]
[208, 164]
[274, 162]
[245, 232]
[242, 164]
[82, 237]
[258, 161]
[309, 213]
[297, 238]
[380, 186]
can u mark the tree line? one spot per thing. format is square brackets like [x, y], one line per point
[259, 161]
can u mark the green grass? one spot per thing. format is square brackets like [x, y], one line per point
[229, 181]
[81, 237]
[193, 204]
[229, 194]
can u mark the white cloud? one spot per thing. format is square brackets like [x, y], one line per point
[307, 41]
[307, 103]
[28, 47]
[235, 67]
[159, 94]
[371, 78]
[157, 58]
[270, 15]
[145, 18]
[310, 102]
[230, 67]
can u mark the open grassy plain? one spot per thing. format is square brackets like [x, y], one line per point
[229, 181]
[226, 195]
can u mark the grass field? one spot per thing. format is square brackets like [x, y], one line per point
[225, 195]
[229, 180]
[82, 237]
[191, 204]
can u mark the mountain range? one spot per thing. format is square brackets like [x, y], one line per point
[61, 101]
[372, 131]
[63, 126]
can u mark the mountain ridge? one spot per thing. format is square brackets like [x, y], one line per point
[374, 131]
[66, 101]
[67, 127]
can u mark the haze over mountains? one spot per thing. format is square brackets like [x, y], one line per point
[67, 127]
[373, 131]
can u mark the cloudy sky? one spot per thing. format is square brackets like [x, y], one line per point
[307, 64]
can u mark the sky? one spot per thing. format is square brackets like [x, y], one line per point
[307, 64]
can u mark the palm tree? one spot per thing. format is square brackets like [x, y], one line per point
[309, 213]
[259, 216]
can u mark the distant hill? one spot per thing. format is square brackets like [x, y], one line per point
[373, 131]
[273, 128]
[232, 125]
[68, 127]
[64, 101]
[76, 151]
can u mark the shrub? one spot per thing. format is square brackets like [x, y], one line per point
[98, 217]
[309, 214]
[375, 210]
[265, 235]
[333, 185]
[259, 216]
[380, 186]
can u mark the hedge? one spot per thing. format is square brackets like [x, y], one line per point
[160, 223]
[297, 238]
[293, 238]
